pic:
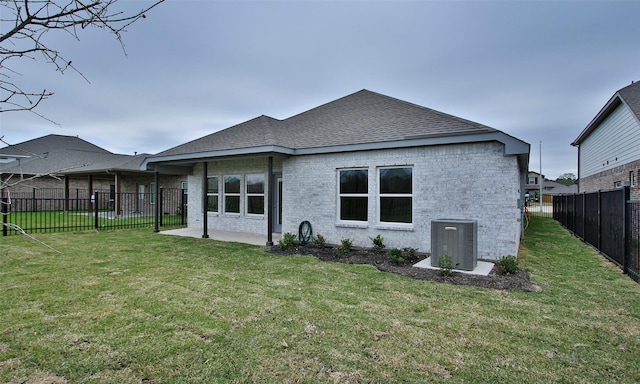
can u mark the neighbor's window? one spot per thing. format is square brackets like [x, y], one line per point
[354, 194]
[152, 196]
[632, 178]
[213, 194]
[396, 195]
[231, 194]
[533, 180]
[255, 194]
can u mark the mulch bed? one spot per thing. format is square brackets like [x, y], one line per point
[518, 281]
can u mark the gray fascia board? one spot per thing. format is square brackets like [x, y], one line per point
[187, 158]
[612, 104]
[512, 145]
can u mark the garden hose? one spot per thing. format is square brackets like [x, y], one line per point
[304, 232]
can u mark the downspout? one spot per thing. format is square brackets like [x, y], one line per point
[271, 191]
[205, 218]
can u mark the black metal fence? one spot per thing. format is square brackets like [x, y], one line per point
[608, 221]
[77, 210]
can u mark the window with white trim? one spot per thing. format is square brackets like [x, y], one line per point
[395, 204]
[353, 191]
[213, 194]
[255, 194]
[231, 194]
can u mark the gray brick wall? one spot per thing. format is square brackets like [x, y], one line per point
[469, 181]
[221, 221]
[466, 181]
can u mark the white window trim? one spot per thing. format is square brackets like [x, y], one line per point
[352, 223]
[225, 194]
[247, 194]
[206, 208]
[390, 224]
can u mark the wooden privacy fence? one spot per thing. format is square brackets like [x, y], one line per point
[608, 221]
[51, 211]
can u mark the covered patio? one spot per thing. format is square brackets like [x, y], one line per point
[238, 237]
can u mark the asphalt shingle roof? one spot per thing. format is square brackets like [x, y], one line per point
[360, 118]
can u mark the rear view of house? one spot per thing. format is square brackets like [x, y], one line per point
[357, 167]
[609, 147]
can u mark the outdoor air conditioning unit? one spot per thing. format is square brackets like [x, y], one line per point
[456, 238]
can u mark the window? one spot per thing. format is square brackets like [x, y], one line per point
[396, 195]
[231, 194]
[255, 194]
[185, 186]
[212, 194]
[533, 180]
[354, 194]
[152, 193]
[632, 178]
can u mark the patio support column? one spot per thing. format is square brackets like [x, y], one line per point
[205, 218]
[156, 208]
[91, 196]
[116, 198]
[271, 191]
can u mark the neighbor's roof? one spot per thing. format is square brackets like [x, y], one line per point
[44, 144]
[629, 96]
[57, 154]
[363, 120]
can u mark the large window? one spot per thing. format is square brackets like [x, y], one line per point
[354, 194]
[213, 194]
[255, 194]
[231, 194]
[396, 195]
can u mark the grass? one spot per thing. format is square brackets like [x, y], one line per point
[133, 306]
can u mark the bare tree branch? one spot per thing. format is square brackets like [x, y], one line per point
[27, 22]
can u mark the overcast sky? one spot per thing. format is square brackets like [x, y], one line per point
[539, 71]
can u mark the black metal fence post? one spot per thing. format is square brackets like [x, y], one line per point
[96, 209]
[183, 206]
[159, 198]
[5, 214]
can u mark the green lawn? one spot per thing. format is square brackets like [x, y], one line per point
[132, 306]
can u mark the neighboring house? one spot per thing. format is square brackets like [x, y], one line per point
[549, 187]
[362, 165]
[609, 147]
[533, 185]
[60, 166]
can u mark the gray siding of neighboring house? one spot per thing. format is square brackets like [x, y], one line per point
[614, 143]
[464, 181]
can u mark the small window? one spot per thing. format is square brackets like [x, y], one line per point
[212, 194]
[232, 194]
[533, 180]
[396, 195]
[354, 195]
[152, 193]
[255, 194]
[632, 179]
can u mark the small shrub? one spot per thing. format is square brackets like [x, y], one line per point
[507, 265]
[410, 253]
[378, 243]
[319, 241]
[345, 248]
[288, 241]
[395, 256]
[445, 263]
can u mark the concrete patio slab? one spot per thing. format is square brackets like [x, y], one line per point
[483, 268]
[238, 237]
